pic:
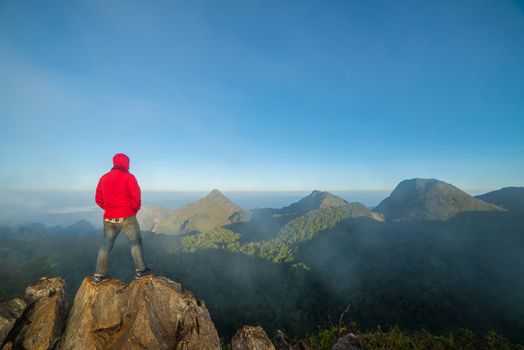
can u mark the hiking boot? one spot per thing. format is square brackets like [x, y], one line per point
[96, 280]
[145, 272]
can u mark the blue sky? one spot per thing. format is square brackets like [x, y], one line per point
[262, 95]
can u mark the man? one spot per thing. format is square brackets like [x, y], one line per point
[118, 194]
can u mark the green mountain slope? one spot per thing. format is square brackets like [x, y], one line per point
[306, 227]
[266, 224]
[509, 198]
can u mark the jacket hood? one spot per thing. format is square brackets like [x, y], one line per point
[121, 160]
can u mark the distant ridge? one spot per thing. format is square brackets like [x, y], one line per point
[429, 199]
[510, 198]
[214, 210]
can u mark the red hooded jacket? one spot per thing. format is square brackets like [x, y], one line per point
[118, 192]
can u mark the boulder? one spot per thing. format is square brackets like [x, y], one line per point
[151, 313]
[251, 338]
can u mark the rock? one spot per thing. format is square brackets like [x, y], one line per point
[151, 313]
[44, 320]
[7, 346]
[347, 342]
[251, 338]
[37, 321]
[283, 342]
[10, 312]
[44, 287]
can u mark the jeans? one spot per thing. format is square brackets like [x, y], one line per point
[111, 231]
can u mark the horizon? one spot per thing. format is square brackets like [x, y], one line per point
[262, 96]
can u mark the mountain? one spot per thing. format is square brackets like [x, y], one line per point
[93, 217]
[214, 210]
[82, 227]
[429, 199]
[309, 225]
[265, 224]
[315, 200]
[509, 198]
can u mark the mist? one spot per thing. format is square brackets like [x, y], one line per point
[68, 207]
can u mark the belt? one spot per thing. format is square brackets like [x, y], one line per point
[117, 220]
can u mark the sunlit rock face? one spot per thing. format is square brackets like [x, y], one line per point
[151, 313]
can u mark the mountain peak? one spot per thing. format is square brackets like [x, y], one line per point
[315, 200]
[326, 199]
[214, 210]
[215, 198]
[215, 194]
[428, 199]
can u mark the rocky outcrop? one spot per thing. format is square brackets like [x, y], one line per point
[283, 342]
[151, 313]
[251, 338]
[37, 321]
[10, 312]
[347, 342]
